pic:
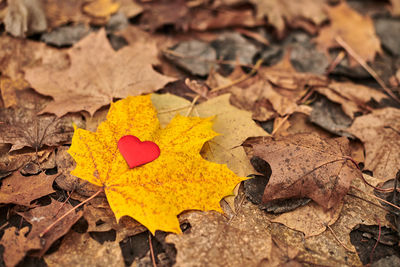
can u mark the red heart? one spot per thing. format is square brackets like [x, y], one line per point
[137, 153]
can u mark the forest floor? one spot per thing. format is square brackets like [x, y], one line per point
[294, 106]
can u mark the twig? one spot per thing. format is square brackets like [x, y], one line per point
[335, 62]
[68, 212]
[364, 64]
[241, 79]
[192, 105]
[69, 196]
[377, 241]
[370, 202]
[153, 260]
[378, 198]
[337, 239]
[280, 125]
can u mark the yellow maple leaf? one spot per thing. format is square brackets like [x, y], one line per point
[154, 193]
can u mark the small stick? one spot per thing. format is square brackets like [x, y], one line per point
[68, 212]
[364, 64]
[153, 260]
[192, 105]
[335, 62]
[378, 198]
[377, 241]
[337, 239]
[69, 196]
[241, 79]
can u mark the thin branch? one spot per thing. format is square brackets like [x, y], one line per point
[153, 260]
[364, 64]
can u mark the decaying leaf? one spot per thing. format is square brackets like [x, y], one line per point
[43, 216]
[305, 165]
[353, 97]
[380, 133]
[22, 190]
[22, 127]
[102, 219]
[101, 8]
[243, 241]
[362, 39]
[16, 245]
[97, 75]
[154, 193]
[81, 250]
[279, 12]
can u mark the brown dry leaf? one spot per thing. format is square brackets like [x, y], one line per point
[102, 219]
[353, 97]
[130, 8]
[22, 127]
[207, 19]
[310, 219]
[43, 216]
[395, 8]
[305, 165]
[362, 38]
[25, 17]
[11, 161]
[15, 54]
[22, 190]
[16, 245]
[164, 12]
[81, 250]
[233, 125]
[97, 75]
[380, 133]
[222, 242]
[280, 11]
[60, 12]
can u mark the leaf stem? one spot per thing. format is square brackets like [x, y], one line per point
[68, 212]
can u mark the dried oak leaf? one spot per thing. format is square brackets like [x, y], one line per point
[305, 165]
[16, 245]
[154, 193]
[279, 12]
[380, 133]
[98, 74]
[22, 190]
[43, 216]
[81, 250]
[362, 38]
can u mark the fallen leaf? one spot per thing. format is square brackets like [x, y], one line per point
[102, 219]
[65, 35]
[310, 219]
[243, 241]
[130, 8]
[233, 125]
[81, 250]
[380, 132]
[395, 7]
[305, 165]
[162, 188]
[112, 75]
[16, 245]
[23, 190]
[352, 97]
[101, 8]
[41, 217]
[17, 53]
[22, 127]
[59, 12]
[25, 17]
[211, 19]
[361, 39]
[279, 12]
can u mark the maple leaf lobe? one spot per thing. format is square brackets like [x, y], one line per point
[154, 193]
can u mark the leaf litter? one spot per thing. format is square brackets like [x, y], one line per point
[282, 95]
